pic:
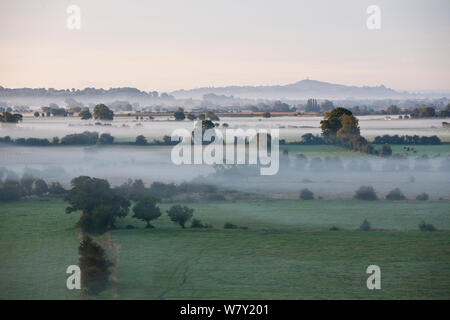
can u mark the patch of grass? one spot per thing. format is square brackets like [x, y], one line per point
[273, 259]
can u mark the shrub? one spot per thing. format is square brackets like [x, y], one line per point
[306, 194]
[395, 194]
[229, 225]
[365, 226]
[334, 228]
[366, 193]
[196, 223]
[426, 226]
[422, 197]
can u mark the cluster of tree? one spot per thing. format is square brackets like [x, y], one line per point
[83, 93]
[12, 189]
[87, 138]
[101, 205]
[396, 139]
[312, 105]
[341, 127]
[180, 115]
[430, 112]
[136, 189]
[276, 106]
[8, 117]
[54, 110]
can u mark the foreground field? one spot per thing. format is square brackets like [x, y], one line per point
[287, 253]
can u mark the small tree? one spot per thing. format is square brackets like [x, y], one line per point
[179, 214]
[365, 226]
[94, 265]
[306, 194]
[395, 194]
[266, 114]
[146, 209]
[366, 193]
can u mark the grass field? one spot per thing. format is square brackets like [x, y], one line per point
[287, 253]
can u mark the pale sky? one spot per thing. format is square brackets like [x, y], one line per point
[166, 45]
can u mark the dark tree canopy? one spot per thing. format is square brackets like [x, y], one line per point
[100, 205]
[180, 214]
[102, 112]
[179, 114]
[146, 209]
[333, 121]
[85, 114]
[10, 118]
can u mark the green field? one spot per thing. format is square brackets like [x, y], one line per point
[442, 149]
[287, 253]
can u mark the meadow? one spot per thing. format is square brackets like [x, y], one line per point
[288, 252]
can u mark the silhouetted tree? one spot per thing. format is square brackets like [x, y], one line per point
[146, 209]
[179, 214]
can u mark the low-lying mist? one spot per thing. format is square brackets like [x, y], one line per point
[328, 177]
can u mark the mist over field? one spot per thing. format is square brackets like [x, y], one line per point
[290, 127]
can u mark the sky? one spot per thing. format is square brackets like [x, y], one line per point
[166, 45]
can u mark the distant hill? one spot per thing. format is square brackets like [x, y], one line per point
[299, 90]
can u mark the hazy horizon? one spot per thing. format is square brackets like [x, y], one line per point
[171, 45]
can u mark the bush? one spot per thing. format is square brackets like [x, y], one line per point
[422, 197]
[306, 194]
[426, 227]
[365, 226]
[334, 228]
[395, 194]
[229, 225]
[366, 193]
[196, 223]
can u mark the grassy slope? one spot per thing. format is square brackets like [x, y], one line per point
[283, 255]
